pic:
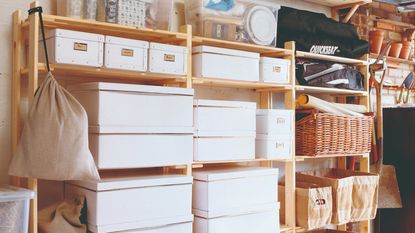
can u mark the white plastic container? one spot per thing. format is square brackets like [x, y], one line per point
[167, 59]
[125, 54]
[223, 191]
[274, 70]
[121, 204]
[224, 148]
[116, 150]
[274, 121]
[214, 62]
[273, 146]
[224, 118]
[14, 209]
[260, 220]
[73, 47]
[136, 108]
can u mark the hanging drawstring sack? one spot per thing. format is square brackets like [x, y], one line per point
[54, 140]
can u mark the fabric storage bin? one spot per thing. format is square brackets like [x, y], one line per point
[224, 118]
[251, 21]
[274, 70]
[222, 190]
[129, 203]
[262, 220]
[184, 227]
[167, 59]
[137, 108]
[14, 209]
[125, 54]
[274, 121]
[313, 205]
[342, 190]
[273, 146]
[71, 8]
[224, 148]
[73, 47]
[208, 62]
[113, 149]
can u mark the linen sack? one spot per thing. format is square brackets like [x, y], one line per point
[54, 139]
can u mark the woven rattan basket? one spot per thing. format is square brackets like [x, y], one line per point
[328, 134]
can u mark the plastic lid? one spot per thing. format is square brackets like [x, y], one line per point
[224, 173]
[261, 25]
[12, 193]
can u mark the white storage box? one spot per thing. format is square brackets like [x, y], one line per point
[273, 146]
[115, 150]
[224, 118]
[73, 47]
[274, 70]
[265, 221]
[121, 204]
[224, 148]
[167, 59]
[213, 62]
[185, 227]
[224, 191]
[14, 209]
[137, 108]
[126, 54]
[274, 121]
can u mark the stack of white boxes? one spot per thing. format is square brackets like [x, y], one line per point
[225, 130]
[135, 126]
[235, 200]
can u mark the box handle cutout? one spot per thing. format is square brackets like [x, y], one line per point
[80, 46]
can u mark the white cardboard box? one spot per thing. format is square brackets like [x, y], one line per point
[224, 118]
[114, 150]
[73, 47]
[274, 70]
[213, 62]
[224, 148]
[273, 146]
[274, 121]
[224, 191]
[167, 59]
[136, 108]
[125, 54]
[264, 221]
[121, 204]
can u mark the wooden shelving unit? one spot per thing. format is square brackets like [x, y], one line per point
[394, 59]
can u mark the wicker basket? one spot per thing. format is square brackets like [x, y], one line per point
[328, 134]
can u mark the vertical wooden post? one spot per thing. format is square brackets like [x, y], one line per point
[33, 85]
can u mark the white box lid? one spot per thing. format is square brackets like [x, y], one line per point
[74, 35]
[223, 103]
[168, 47]
[237, 211]
[141, 181]
[272, 137]
[97, 129]
[223, 51]
[271, 60]
[273, 112]
[215, 174]
[11, 193]
[103, 86]
[126, 42]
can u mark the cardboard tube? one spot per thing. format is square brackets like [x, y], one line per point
[309, 101]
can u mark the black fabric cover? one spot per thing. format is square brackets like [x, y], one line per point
[314, 32]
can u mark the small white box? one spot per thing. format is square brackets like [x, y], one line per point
[265, 221]
[136, 108]
[224, 118]
[274, 121]
[114, 150]
[120, 204]
[184, 227]
[224, 191]
[167, 59]
[273, 146]
[125, 54]
[73, 47]
[213, 62]
[224, 148]
[274, 70]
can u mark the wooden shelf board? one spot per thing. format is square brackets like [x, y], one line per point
[396, 23]
[337, 3]
[284, 228]
[52, 22]
[325, 90]
[238, 161]
[343, 60]
[105, 73]
[263, 50]
[394, 59]
[240, 84]
[302, 158]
